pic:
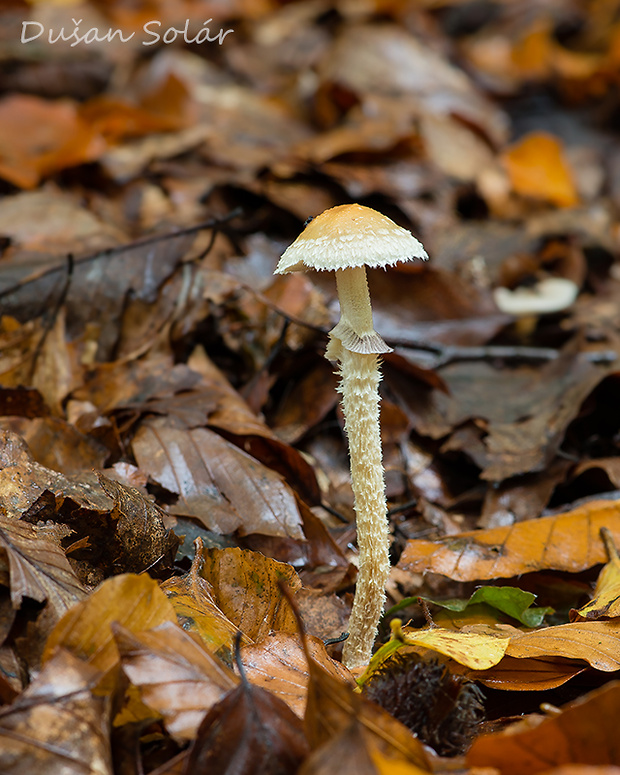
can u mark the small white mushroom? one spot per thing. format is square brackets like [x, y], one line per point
[553, 294]
[346, 239]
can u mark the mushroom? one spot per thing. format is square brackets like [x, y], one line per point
[346, 239]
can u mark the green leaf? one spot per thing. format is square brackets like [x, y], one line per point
[509, 600]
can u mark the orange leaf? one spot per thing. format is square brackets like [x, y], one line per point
[568, 542]
[585, 733]
[597, 643]
[39, 137]
[537, 169]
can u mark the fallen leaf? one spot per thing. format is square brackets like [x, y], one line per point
[476, 650]
[38, 568]
[538, 169]
[136, 602]
[278, 663]
[585, 733]
[246, 590]
[597, 643]
[509, 600]
[175, 676]
[193, 600]
[349, 748]
[527, 673]
[250, 730]
[139, 528]
[39, 137]
[56, 724]
[568, 542]
[224, 487]
[605, 601]
[333, 705]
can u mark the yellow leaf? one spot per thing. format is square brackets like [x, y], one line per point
[478, 651]
[135, 601]
[192, 598]
[606, 600]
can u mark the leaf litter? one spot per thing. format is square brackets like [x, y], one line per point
[159, 388]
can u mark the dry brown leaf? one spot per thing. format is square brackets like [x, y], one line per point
[333, 705]
[349, 748]
[248, 731]
[176, 676]
[278, 663]
[584, 733]
[139, 528]
[38, 568]
[246, 590]
[57, 725]
[57, 444]
[568, 542]
[224, 487]
[136, 602]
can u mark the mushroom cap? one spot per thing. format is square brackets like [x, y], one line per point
[348, 236]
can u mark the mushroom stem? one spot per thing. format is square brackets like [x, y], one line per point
[354, 300]
[359, 387]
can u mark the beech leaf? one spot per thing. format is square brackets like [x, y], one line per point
[568, 542]
[176, 676]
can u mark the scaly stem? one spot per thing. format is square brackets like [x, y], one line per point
[359, 387]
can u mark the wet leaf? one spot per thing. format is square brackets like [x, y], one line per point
[225, 488]
[568, 542]
[193, 600]
[56, 724]
[246, 589]
[176, 676]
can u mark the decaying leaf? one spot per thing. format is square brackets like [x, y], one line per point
[193, 600]
[249, 730]
[56, 724]
[224, 487]
[246, 590]
[38, 568]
